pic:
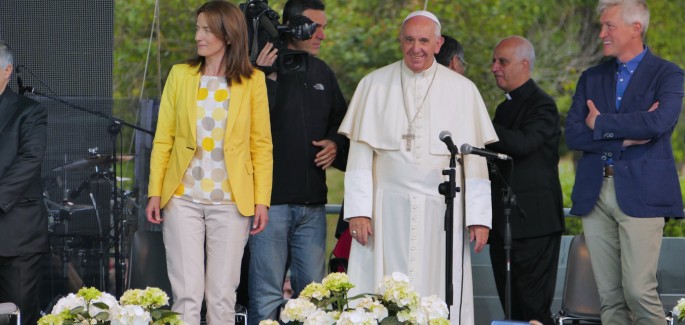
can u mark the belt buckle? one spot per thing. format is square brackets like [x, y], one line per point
[608, 171]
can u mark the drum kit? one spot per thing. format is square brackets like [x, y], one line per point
[80, 237]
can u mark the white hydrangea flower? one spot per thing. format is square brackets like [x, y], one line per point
[357, 316]
[131, 315]
[319, 317]
[69, 302]
[315, 291]
[337, 281]
[268, 322]
[335, 315]
[439, 321]
[375, 307]
[413, 316]
[404, 316]
[399, 277]
[396, 279]
[297, 310]
[434, 307]
[108, 300]
[679, 309]
[398, 290]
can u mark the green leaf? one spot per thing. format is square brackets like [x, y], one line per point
[391, 320]
[156, 314]
[164, 313]
[103, 316]
[78, 310]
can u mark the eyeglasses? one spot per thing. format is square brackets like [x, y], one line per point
[461, 60]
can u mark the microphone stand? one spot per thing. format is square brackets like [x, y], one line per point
[509, 202]
[114, 131]
[449, 189]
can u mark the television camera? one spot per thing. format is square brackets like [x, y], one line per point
[263, 27]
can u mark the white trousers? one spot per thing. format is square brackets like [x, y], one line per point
[204, 248]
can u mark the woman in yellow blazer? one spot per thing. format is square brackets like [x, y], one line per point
[211, 165]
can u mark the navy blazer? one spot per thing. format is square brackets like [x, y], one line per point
[645, 176]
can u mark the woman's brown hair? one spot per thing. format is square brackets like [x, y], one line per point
[227, 22]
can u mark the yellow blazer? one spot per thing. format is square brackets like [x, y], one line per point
[247, 142]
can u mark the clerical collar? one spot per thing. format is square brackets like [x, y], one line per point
[522, 91]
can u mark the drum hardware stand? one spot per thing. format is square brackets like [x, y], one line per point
[101, 251]
[66, 257]
[114, 131]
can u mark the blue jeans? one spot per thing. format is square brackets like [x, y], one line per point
[294, 238]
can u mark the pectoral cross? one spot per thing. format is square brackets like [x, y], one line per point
[409, 136]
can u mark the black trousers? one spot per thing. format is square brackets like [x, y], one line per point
[19, 284]
[534, 263]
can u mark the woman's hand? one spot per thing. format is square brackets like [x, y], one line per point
[152, 210]
[261, 218]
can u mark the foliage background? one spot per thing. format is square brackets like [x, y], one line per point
[362, 36]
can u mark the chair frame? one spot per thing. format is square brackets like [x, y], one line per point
[578, 266]
[8, 308]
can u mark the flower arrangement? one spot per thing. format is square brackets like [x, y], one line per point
[90, 306]
[679, 310]
[394, 302]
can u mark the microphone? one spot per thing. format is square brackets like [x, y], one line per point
[446, 137]
[268, 27]
[467, 149]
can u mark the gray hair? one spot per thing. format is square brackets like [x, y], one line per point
[450, 48]
[632, 11]
[6, 57]
[524, 49]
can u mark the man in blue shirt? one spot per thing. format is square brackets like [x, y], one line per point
[622, 118]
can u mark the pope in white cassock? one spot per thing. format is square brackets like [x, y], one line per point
[396, 158]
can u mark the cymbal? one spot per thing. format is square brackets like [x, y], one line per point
[94, 160]
[72, 207]
[69, 207]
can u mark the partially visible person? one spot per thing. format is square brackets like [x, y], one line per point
[211, 165]
[396, 215]
[622, 117]
[451, 55]
[306, 109]
[23, 218]
[527, 125]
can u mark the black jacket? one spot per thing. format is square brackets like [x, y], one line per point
[23, 136]
[304, 107]
[529, 131]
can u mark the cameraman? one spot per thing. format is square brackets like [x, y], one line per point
[306, 110]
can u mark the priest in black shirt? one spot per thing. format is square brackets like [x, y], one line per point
[527, 124]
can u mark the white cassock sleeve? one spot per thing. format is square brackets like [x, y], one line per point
[359, 181]
[479, 206]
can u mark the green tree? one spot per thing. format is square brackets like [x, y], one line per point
[362, 36]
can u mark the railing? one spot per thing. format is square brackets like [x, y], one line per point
[335, 209]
